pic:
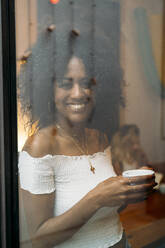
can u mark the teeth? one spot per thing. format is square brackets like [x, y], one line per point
[77, 106]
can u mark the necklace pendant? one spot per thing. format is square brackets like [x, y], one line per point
[91, 167]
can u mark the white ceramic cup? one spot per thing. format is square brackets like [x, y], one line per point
[138, 172]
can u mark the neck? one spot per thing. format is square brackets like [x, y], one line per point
[71, 129]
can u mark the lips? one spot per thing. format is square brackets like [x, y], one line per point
[75, 107]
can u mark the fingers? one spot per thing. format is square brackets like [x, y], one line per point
[140, 179]
[140, 191]
[147, 167]
[118, 189]
[138, 197]
[142, 188]
[138, 194]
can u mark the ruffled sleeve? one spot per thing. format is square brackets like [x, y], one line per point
[36, 174]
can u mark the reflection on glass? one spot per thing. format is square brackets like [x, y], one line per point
[70, 89]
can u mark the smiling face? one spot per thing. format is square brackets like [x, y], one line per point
[74, 95]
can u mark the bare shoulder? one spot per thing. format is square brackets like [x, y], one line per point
[39, 144]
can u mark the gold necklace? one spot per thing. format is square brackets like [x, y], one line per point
[77, 145]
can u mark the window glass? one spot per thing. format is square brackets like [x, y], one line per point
[91, 105]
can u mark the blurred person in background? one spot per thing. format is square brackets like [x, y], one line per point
[127, 152]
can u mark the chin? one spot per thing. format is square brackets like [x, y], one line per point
[75, 118]
[79, 119]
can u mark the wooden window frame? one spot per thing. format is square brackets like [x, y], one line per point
[9, 207]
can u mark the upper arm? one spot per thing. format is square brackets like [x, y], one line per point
[37, 181]
[38, 209]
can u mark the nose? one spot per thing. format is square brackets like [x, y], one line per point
[76, 91]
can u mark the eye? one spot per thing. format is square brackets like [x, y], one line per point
[85, 83]
[66, 84]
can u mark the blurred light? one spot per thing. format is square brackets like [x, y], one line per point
[54, 1]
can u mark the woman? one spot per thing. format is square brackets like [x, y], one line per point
[70, 190]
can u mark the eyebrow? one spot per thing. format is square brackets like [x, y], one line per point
[68, 78]
[71, 79]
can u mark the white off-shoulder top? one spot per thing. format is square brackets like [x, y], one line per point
[70, 177]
